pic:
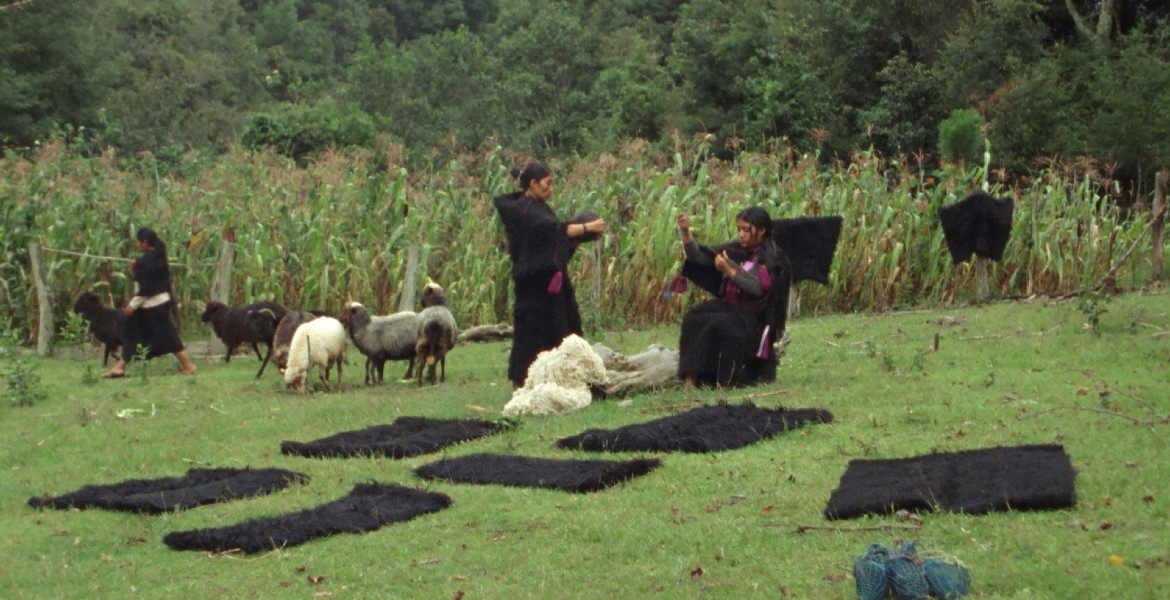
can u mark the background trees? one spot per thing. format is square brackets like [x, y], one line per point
[1061, 78]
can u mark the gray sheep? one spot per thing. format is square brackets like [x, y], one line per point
[381, 338]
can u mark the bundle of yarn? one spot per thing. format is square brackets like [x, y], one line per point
[906, 570]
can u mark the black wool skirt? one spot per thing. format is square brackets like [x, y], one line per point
[719, 343]
[152, 329]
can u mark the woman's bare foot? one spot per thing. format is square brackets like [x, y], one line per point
[691, 380]
[187, 370]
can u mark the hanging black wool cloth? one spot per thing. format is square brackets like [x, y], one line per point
[978, 224]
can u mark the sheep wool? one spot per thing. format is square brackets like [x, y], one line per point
[559, 380]
[320, 342]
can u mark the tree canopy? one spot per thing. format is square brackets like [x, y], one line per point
[1075, 78]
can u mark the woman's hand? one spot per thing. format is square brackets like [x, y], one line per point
[684, 225]
[127, 310]
[595, 226]
[725, 265]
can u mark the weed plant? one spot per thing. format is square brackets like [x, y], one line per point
[724, 525]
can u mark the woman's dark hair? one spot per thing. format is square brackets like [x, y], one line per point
[534, 171]
[150, 236]
[756, 216]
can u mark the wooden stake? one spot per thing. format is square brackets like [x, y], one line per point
[44, 301]
[981, 291]
[406, 300]
[221, 288]
[1159, 221]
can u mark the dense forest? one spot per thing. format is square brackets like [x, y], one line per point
[1076, 80]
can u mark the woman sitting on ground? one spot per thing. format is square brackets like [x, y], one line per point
[148, 313]
[728, 341]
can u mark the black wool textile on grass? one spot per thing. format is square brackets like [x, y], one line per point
[978, 224]
[196, 488]
[406, 437]
[578, 476]
[810, 243]
[973, 482]
[367, 507]
[704, 429]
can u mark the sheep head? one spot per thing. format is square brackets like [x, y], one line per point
[433, 295]
[213, 308]
[87, 304]
[354, 316]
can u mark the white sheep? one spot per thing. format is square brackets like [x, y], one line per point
[320, 342]
[559, 380]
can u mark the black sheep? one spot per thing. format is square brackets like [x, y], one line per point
[231, 325]
[105, 323]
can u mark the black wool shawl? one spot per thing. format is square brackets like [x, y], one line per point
[537, 240]
[152, 272]
[775, 299]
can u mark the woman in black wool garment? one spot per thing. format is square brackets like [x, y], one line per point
[540, 245]
[148, 313]
[728, 341]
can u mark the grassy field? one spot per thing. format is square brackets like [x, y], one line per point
[721, 525]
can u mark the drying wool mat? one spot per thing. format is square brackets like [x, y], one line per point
[579, 476]
[367, 507]
[196, 488]
[406, 437]
[974, 482]
[704, 429]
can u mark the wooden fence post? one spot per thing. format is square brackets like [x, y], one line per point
[44, 301]
[221, 286]
[981, 288]
[406, 300]
[1159, 221]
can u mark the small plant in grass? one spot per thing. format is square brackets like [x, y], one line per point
[142, 362]
[1095, 304]
[75, 331]
[22, 385]
[89, 377]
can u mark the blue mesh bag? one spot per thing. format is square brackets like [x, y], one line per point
[869, 572]
[945, 579]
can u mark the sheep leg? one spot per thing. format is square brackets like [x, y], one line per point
[443, 368]
[256, 348]
[339, 386]
[264, 363]
[409, 370]
[369, 369]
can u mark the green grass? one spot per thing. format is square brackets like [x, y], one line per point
[721, 525]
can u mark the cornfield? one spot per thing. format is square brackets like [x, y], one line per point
[342, 227]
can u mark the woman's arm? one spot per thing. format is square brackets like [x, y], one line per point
[753, 283]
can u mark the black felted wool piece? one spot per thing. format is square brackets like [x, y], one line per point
[406, 437]
[704, 429]
[196, 488]
[579, 476]
[809, 243]
[978, 224]
[367, 507]
[974, 482]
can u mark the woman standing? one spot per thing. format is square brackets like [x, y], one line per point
[540, 246]
[148, 313]
[728, 341]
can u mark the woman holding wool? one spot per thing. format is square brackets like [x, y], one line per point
[728, 341]
[148, 313]
[540, 246]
